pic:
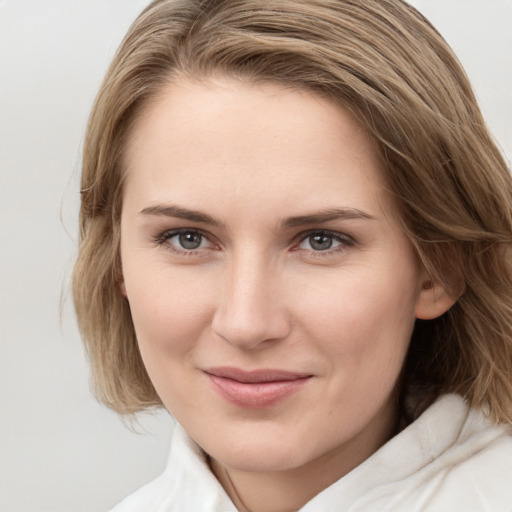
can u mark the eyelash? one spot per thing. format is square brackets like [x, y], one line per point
[345, 241]
[166, 236]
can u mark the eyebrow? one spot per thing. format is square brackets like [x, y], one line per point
[181, 213]
[326, 216]
[290, 222]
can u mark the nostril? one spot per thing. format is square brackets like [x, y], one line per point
[250, 329]
[249, 304]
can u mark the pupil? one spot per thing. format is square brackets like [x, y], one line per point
[190, 240]
[321, 242]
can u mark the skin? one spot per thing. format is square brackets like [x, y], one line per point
[260, 165]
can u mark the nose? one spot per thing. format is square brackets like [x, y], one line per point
[250, 309]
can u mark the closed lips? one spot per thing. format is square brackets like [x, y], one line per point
[255, 376]
[255, 389]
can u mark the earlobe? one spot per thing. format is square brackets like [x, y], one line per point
[433, 300]
[122, 288]
[120, 281]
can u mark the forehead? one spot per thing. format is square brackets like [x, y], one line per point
[251, 139]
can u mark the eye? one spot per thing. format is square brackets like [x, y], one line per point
[184, 240]
[324, 241]
[189, 240]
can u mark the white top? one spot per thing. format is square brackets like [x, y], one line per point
[450, 459]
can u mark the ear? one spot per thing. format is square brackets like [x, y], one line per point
[120, 282]
[122, 288]
[433, 300]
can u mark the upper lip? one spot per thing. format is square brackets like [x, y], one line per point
[255, 376]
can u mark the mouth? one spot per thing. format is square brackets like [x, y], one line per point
[255, 389]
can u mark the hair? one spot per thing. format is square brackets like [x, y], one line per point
[386, 64]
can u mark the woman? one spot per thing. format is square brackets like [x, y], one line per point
[296, 237]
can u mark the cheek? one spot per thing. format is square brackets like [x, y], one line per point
[362, 321]
[169, 309]
[170, 313]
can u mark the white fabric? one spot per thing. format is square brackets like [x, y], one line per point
[451, 459]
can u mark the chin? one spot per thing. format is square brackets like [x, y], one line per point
[266, 454]
[262, 461]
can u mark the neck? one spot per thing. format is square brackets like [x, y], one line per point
[291, 489]
[283, 491]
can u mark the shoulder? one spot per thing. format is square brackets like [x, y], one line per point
[458, 460]
[451, 458]
[151, 496]
[186, 484]
[480, 476]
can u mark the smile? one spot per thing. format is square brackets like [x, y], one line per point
[255, 389]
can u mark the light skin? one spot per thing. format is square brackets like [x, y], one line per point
[256, 234]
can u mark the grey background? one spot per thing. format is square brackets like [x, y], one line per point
[60, 451]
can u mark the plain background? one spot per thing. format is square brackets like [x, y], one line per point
[60, 451]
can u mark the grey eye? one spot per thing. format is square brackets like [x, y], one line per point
[324, 241]
[185, 240]
[320, 242]
[190, 240]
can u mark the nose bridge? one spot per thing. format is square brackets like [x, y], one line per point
[249, 309]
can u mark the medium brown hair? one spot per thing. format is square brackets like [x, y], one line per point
[385, 63]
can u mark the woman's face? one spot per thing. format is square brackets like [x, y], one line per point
[272, 292]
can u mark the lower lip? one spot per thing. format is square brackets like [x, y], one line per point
[256, 395]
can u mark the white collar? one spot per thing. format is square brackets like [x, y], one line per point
[403, 475]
